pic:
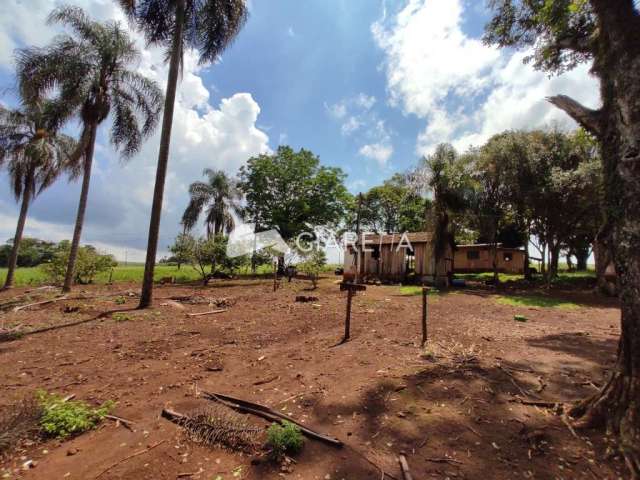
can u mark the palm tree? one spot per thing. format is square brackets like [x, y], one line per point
[220, 196]
[89, 73]
[34, 154]
[206, 25]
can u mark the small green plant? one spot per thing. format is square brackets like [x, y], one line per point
[520, 318]
[283, 439]
[122, 317]
[120, 300]
[62, 418]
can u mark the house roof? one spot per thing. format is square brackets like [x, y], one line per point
[395, 238]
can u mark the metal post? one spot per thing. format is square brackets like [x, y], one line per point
[425, 292]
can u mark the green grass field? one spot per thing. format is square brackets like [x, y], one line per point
[131, 273]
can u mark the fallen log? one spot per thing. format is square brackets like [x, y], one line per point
[245, 406]
[211, 312]
[43, 302]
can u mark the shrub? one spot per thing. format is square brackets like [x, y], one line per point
[88, 264]
[62, 418]
[283, 439]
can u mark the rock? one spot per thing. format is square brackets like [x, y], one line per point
[72, 451]
[28, 464]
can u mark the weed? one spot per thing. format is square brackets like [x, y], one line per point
[520, 318]
[283, 439]
[62, 418]
[120, 300]
[122, 317]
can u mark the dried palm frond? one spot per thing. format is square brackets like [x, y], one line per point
[19, 421]
[216, 425]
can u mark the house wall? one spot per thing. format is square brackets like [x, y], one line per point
[392, 264]
[485, 261]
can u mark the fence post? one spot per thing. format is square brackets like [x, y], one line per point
[425, 293]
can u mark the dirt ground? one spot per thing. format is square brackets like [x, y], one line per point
[455, 412]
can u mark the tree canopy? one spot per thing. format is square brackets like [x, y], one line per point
[291, 192]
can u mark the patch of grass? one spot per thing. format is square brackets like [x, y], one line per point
[63, 418]
[535, 301]
[484, 276]
[122, 317]
[283, 439]
[414, 290]
[120, 300]
[520, 318]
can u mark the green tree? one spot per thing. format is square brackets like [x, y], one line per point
[445, 175]
[391, 207]
[182, 248]
[291, 192]
[208, 26]
[90, 74]
[562, 34]
[89, 263]
[35, 154]
[220, 197]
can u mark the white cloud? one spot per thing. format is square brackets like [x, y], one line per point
[464, 90]
[365, 101]
[291, 32]
[379, 152]
[350, 125]
[337, 110]
[220, 136]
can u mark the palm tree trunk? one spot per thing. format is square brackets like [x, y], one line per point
[82, 207]
[22, 219]
[163, 158]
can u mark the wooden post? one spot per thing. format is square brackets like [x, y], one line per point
[275, 275]
[347, 321]
[425, 293]
[351, 288]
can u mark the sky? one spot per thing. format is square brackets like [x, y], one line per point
[369, 86]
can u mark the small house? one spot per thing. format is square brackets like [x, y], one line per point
[398, 257]
[479, 258]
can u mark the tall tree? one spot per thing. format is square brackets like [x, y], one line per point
[392, 207]
[208, 26]
[291, 192]
[563, 33]
[90, 75]
[446, 176]
[35, 153]
[220, 197]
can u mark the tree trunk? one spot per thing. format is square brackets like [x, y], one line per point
[582, 257]
[22, 219]
[82, 207]
[603, 259]
[163, 158]
[617, 126]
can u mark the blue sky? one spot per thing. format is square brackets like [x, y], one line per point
[367, 85]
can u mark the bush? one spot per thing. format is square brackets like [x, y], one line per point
[283, 439]
[61, 419]
[88, 264]
[313, 265]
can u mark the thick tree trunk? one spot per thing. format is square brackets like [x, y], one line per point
[603, 259]
[617, 125]
[13, 259]
[163, 158]
[582, 257]
[82, 207]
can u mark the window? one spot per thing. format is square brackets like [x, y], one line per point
[508, 256]
[473, 254]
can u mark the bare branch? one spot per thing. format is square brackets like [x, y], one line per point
[587, 118]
